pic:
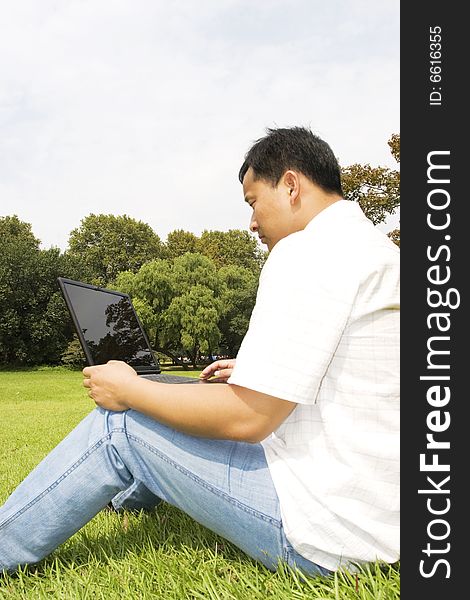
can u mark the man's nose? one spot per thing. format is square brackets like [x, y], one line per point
[253, 225]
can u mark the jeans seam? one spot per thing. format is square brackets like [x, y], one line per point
[207, 485]
[70, 470]
[229, 482]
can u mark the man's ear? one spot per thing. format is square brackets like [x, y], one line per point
[291, 181]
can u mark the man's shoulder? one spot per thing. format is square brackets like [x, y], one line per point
[348, 248]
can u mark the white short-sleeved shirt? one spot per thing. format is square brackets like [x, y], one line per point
[325, 334]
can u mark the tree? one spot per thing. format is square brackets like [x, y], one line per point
[233, 247]
[394, 145]
[20, 232]
[192, 317]
[178, 304]
[191, 322]
[395, 236]
[190, 270]
[73, 356]
[19, 249]
[35, 325]
[31, 318]
[180, 242]
[239, 287]
[152, 291]
[377, 189]
[110, 244]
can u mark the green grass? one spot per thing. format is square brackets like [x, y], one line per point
[137, 556]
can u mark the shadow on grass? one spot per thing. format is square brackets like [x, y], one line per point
[116, 536]
[169, 537]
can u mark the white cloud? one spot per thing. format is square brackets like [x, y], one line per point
[146, 108]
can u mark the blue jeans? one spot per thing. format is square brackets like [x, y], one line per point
[136, 462]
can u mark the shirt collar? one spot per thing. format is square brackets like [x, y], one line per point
[340, 209]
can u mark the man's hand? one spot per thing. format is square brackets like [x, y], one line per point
[219, 371]
[107, 383]
[219, 411]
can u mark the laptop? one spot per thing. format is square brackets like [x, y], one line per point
[109, 329]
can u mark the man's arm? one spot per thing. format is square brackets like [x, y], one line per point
[217, 410]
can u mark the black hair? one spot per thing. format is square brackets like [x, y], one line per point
[294, 148]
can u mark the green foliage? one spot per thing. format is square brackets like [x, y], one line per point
[151, 290]
[194, 269]
[28, 308]
[12, 229]
[180, 242]
[178, 302]
[73, 356]
[239, 287]
[188, 307]
[110, 244]
[377, 189]
[34, 322]
[233, 247]
[191, 322]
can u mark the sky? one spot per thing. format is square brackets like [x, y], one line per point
[147, 107]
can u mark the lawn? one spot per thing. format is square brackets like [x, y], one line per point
[137, 556]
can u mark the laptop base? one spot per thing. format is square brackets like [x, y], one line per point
[162, 378]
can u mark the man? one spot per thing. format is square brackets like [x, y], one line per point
[296, 459]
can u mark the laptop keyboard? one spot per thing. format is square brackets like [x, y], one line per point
[162, 378]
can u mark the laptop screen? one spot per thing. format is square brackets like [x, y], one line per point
[107, 325]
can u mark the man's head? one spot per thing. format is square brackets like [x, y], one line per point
[288, 177]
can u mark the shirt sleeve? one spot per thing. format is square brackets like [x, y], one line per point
[302, 307]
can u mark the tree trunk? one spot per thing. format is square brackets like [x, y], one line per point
[193, 356]
[175, 359]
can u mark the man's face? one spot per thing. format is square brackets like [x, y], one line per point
[271, 209]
